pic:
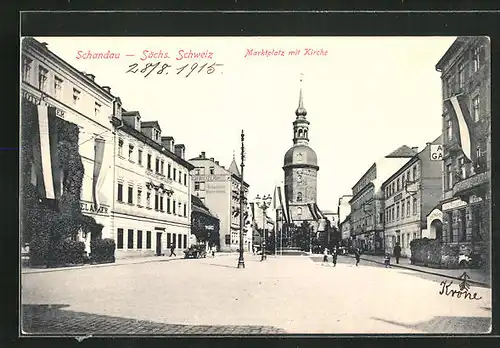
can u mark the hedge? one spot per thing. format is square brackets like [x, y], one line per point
[102, 250]
[426, 251]
[67, 252]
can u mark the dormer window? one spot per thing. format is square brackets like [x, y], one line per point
[156, 134]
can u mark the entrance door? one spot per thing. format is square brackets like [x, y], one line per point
[158, 243]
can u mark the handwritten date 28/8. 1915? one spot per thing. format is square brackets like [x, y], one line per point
[166, 69]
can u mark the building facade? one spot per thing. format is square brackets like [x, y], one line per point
[152, 189]
[367, 202]
[219, 190]
[343, 211]
[204, 225]
[410, 195]
[466, 89]
[67, 115]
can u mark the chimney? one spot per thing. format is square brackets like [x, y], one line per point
[44, 44]
[180, 150]
[212, 159]
[202, 155]
[415, 148]
[107, 89]
[217, 162]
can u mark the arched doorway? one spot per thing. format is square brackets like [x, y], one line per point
[436, 229]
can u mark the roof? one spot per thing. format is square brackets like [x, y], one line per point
[147, 124]
[131, 113]
[144, 138]
[308, 156]
[233, 168]
[200, 207]
[403, 151]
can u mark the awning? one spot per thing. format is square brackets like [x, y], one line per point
[203, 211]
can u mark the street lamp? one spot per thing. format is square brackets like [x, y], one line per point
[263, 203]
[241, 260]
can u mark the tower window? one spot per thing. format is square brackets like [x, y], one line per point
[299, 197]
[300, 133]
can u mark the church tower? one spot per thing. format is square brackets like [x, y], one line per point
[300, 167]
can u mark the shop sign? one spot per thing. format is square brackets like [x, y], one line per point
[436, 152]
[457, 203]
[398, 197]
[91, 208]
[475, 199]
[209, 227]
[212, 177]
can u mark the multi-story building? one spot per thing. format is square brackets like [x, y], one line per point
[466, 88]
[152, 197]
[410, 194]
[219, 190]
[367, 202]
[343, 211]
[345, 229]
[66, 118]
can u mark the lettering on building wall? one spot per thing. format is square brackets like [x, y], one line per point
[89, 207]
[213, 177]
[215, 187]
[436, 152]
[398, 197]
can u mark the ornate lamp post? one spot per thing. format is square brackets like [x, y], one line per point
[241, 260]
[263, 203]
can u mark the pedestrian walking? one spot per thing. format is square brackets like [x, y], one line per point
[325, 255]
[387, 260]
[253, 249]
[334, 255]
[397, 252]
[357, 255]
[172, 250]
[213, 251]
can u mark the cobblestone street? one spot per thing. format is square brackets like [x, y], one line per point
[287, 294]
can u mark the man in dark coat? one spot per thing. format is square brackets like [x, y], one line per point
[357, 255]
[172, 249]
[397, 252]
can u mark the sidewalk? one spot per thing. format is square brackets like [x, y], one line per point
[118, 262]
[477, 276]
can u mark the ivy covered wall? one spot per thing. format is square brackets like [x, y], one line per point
[46, 223]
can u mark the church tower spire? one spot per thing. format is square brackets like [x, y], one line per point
[301, 124]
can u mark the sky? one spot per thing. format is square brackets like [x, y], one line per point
[366, 97]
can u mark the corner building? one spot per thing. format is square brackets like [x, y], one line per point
[55, 98]
[151, 199]
[219, 189]
[410, 195]
[466, 202]
[367, 202]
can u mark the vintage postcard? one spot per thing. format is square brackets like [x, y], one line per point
[255, 185]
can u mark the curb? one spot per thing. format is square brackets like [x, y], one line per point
[427, 272]
[60, 269]
[47, 270]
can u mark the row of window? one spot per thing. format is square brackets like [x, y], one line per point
[173, 206]
[56, 89]
[464, 169]
[397, 211]
[201, 171]
[399, 184]
[172, 173]
[465, 68]
[136, 241]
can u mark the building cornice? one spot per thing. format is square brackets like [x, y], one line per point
[32, 43]
[300, 165]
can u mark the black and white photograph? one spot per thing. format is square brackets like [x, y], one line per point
[257, 185]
